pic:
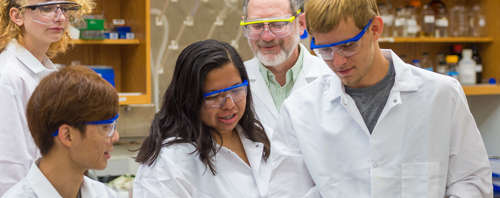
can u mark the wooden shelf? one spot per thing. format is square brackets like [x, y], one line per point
[436, 40]
[482, 89]
[134, 99]
[108, 41]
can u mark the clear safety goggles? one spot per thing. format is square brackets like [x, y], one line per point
[278, 27]
[217, 99]
[344, 48]
[49, 12]
[104, 127]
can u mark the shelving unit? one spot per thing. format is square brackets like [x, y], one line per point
[489, 47]
[130, 58]
[108, 42]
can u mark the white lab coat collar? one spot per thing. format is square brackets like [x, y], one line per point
[307, 74]
[40, 184]
[404, 79]
[43, 188]
[28, 59]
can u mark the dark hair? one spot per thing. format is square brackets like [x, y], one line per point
[73, 95]
[179, 116]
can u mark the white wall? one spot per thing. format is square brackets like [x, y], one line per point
[486, 111]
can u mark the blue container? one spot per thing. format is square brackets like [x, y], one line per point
[105, 72]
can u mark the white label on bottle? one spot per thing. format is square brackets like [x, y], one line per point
[412, 29]
[388, 19]
[399, 22]
[122, 99]
[442, 22]
[429, 19]
[482, 22]
[411, 22]
[479, 68]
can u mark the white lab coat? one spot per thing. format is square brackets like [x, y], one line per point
[312, 68]
[35, 184]
[177, 173]
[425, 143]
[20, 73]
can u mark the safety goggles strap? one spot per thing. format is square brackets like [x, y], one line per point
[269, 20]
[108, 121]
[244, 83]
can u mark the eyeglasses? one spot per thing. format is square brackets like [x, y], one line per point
[217, 99]
[45, 13]
[278, 27]
[344, 48]
[104, 127]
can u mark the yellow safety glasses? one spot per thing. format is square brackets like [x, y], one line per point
[279, 27]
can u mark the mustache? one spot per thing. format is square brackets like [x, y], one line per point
[270, 44]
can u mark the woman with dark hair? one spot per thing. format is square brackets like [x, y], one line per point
[205, 141]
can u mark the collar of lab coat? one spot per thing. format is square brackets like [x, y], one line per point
[28, 59]
[252, 149]
[404, 79]
[40, 184]
[43, 188]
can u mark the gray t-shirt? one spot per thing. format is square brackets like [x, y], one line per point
[371, 100]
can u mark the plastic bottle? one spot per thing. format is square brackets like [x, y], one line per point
[442, 68]
[479, 64]
[477, 21]
[435, 4]
[459, 21]
[452, 66]
[411, 27]
[399, 23]
[388, 19]
[441, 23]
[426, 62]
[427, 21]
[416, 63]
[467, 68]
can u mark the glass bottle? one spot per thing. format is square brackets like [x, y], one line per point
[426, 62]
[441, 23]
[416, 63]
[435, 4]
[442, 68]
[388, 19]
[477, 21]
[411, 26]
[427, 21]
[399, 23]
[479, 64]
[459, 21]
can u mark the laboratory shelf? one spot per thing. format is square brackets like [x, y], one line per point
[108, 41]
[436, 40]
[129, 99]
[481, 89]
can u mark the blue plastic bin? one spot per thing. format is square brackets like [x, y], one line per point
[105, 72]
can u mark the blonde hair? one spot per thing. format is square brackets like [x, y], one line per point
[10, 30]
[322, 16]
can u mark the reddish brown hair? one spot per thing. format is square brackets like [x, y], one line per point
[73, 95]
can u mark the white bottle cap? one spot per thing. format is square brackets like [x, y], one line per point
[467, 53]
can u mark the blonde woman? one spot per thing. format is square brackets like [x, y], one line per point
[31, 32]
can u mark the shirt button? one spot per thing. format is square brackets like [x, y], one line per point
[395, 100]
[281, 90]
[257, 146]
[375, 165]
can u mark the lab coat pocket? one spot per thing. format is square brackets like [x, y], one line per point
[419, 180]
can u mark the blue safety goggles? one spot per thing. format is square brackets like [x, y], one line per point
[216, 99]
[105, 127]
[345, 48]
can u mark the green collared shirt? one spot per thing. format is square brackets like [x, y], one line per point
[278, 92]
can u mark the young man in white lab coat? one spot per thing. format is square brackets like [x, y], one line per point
[72, 118]
[377, 127]
[281, 65]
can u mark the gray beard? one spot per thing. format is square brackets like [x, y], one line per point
[281, 56]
